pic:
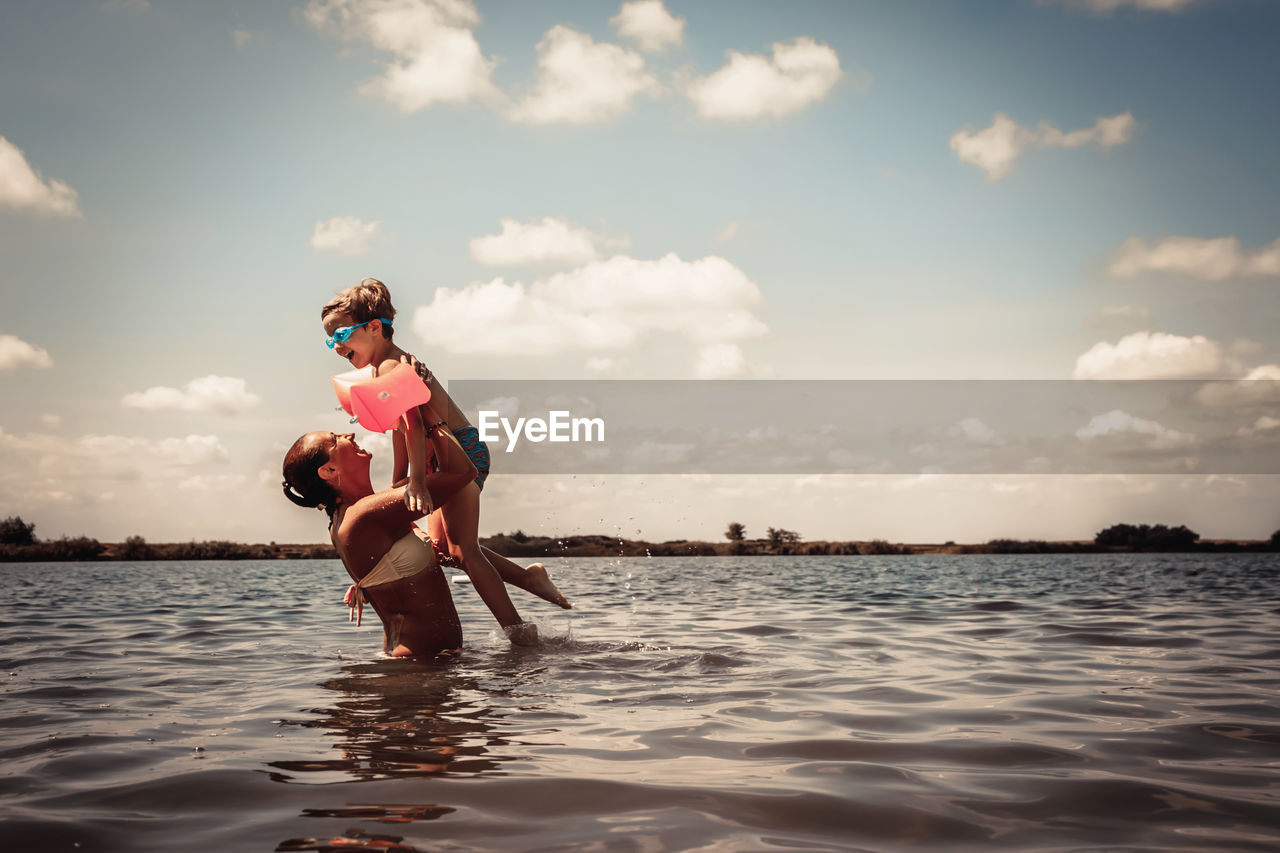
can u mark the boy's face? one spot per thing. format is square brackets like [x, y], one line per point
[359, 347]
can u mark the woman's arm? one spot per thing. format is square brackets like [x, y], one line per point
[456, 470]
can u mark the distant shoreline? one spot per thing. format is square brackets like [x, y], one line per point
[544, 547]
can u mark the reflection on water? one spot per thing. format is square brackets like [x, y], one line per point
[397, 719]
[353, 839]
[392, 719]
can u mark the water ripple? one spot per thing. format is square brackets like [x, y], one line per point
[843, 703]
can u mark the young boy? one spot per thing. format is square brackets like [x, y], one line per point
[358, 322]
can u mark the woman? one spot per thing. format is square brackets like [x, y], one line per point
[394, 568]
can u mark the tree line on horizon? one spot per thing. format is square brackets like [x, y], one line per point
[1138, 537]
[18, 543]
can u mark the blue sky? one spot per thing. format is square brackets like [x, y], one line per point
[183, 184]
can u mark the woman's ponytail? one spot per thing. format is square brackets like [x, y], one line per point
[302, 482]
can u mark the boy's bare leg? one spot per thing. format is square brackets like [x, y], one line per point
[460, 518]
[532, 579]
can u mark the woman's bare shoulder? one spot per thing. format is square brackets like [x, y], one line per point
[381, 509]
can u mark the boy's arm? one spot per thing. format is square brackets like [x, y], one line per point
[411, 433]
[416, 497]
[400, 467]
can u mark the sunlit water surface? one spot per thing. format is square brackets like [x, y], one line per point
[877, 703]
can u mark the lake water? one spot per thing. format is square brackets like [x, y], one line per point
[814, 703]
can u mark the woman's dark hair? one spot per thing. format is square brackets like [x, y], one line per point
[302, 481]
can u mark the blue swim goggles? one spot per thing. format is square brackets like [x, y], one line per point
[341, 334]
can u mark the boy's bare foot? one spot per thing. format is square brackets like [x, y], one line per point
[522, 633]
[540, 585]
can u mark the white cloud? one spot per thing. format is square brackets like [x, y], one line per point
[62, 463]
[649, 24]
[15, 352]
[752, 86]
[601, 364]
[1258, 387]
[1120, 423]
[206, 394]
[605, 305]
[190, 451]
[549, 241]
[51, 420]
[23, 188]
[1107, 6]
[974, 430]
[1210, 259]
[1244, 348]
[1153, 355]
[995, 149]
[377, 443]
[581, 81]
[242, 37]
[346, 235]
[1262, 424]
[212, 482]
[720, 361]
[436, 57]
[110, 484]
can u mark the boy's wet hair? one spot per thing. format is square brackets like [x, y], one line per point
[368, 300]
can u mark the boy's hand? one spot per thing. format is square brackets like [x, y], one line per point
[417, 498]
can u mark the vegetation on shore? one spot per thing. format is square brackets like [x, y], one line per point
[18, 543]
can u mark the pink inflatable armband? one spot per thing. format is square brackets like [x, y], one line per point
[342, 385]
[378, 401]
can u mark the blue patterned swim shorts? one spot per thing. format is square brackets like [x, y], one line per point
[477, 451]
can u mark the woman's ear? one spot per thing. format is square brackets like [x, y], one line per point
[328, 472]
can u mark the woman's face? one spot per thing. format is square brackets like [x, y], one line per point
[360, 346]
[344, 447]
[344, 454]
